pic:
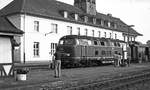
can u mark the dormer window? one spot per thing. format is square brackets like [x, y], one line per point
[85, 19]
[109, 24]
[76, 16]
[65, 14]
[115, 26]
[112, 24]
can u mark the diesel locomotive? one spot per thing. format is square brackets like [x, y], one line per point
[89, 51]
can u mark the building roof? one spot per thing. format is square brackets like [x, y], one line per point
[7, 27]
[52, 9]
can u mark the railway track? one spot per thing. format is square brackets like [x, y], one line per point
[114, 84]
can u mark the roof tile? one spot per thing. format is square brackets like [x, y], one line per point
[52, 8]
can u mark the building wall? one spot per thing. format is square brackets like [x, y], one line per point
[6, 61]
[26, 23]
[16, 20]
[5, 50]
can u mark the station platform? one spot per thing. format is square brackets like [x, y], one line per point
[38, 79]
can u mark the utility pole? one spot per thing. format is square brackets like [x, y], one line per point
[127, 44]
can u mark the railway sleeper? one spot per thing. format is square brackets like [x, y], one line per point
[116, 84]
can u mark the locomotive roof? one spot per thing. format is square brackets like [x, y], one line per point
[90, 38]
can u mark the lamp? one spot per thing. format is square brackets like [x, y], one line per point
[15, 44]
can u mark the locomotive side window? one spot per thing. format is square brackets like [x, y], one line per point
[84, 42]
[95, 43]
[96, 52]
[103, 52]
[116, 52]
[115, 44]
[103, 43]
[119, 44]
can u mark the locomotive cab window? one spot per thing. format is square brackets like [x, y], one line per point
[67, 42]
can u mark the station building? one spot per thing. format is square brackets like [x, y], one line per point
[46, 21]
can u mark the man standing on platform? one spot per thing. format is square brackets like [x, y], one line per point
[57, 62]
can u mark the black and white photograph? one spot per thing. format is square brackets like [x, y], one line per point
[74, 44]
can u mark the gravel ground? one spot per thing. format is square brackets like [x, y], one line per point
[83, 74]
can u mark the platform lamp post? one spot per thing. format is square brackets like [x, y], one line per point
[127, 44]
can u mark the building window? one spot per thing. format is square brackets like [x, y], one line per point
[69, 28]
[65, 14]
[86, 32]
[101, 22]
[99, 33]
[85, 19]
[94, 20]
[93, 33]
[105, 34]
[76, 16]
[115, 36]
[53, 48]
[110, 35]
[36, 49]
[54, 28]
[78, 30]
[115, 26]
[36, 26]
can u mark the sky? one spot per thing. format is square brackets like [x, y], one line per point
[132, 12]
